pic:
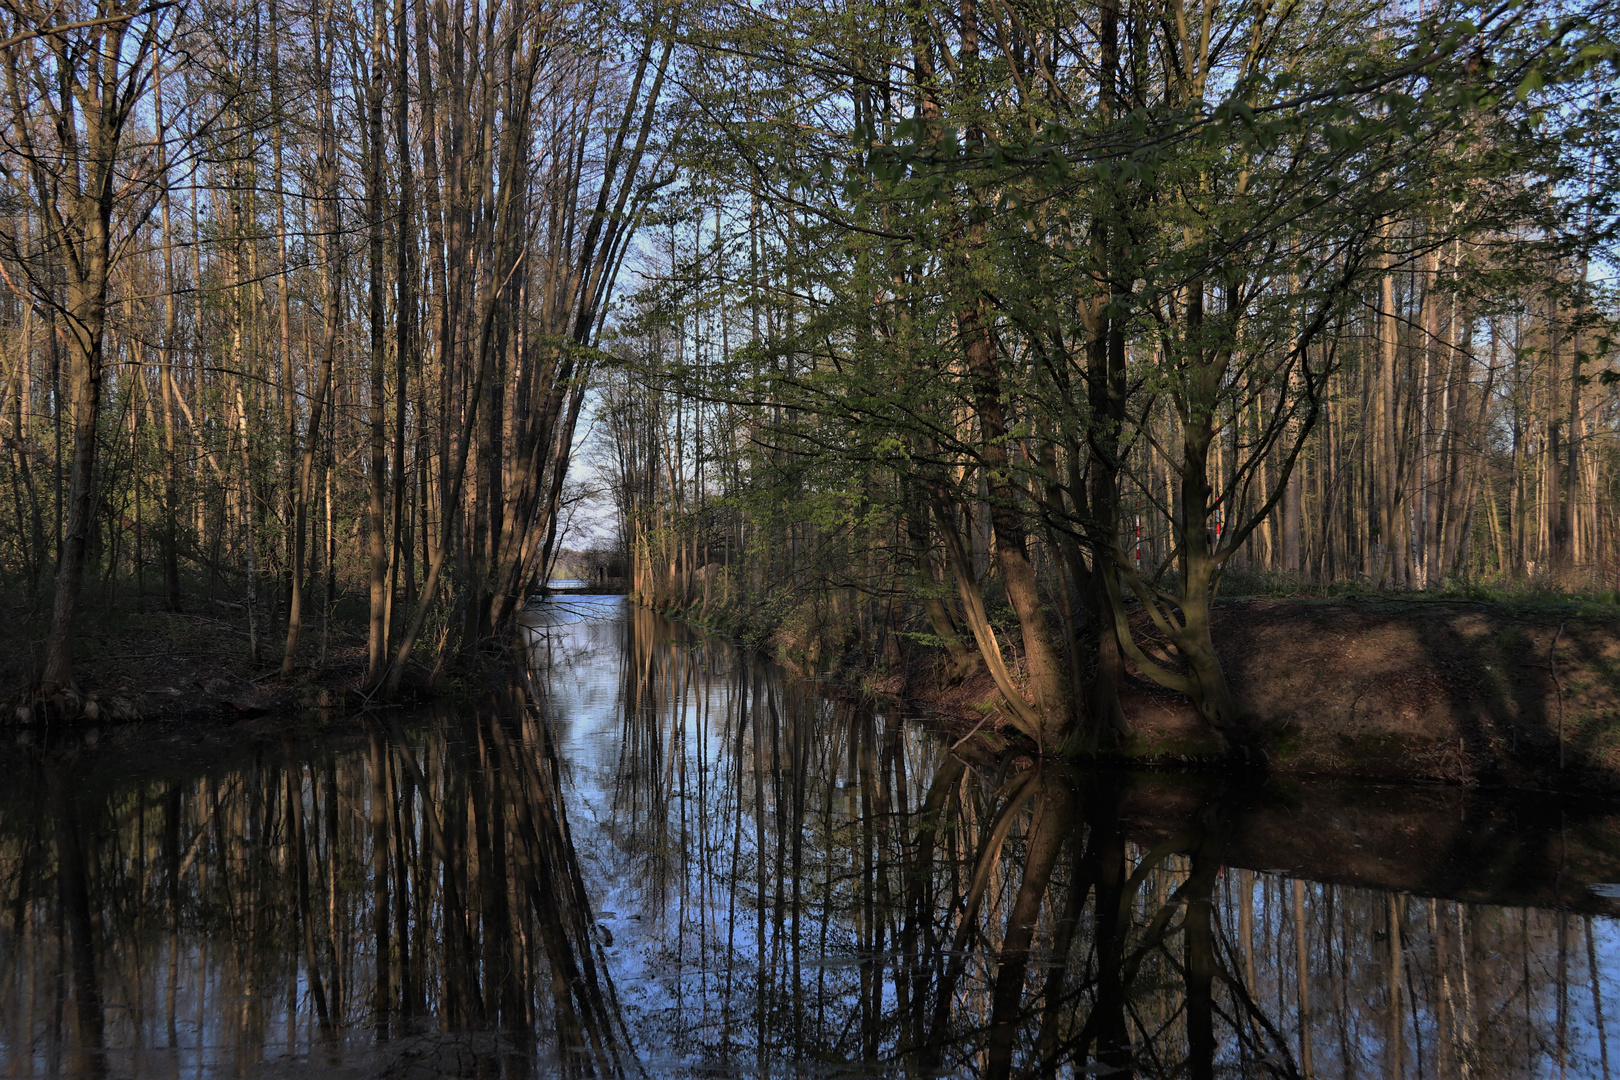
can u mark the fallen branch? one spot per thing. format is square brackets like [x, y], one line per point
[974, 730]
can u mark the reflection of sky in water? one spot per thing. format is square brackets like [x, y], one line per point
[681, 939]
[580, 653]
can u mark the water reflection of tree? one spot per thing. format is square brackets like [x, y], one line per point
[818, 882]
[414, 883]
[921, 913]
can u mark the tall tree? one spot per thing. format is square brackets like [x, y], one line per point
[75, 74]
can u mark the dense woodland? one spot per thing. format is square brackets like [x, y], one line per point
[887, 325]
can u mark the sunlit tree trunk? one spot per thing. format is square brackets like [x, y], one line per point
[170, 538]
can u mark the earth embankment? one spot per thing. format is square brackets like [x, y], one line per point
[1390, 689]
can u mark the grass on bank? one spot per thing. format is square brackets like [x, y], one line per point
[1522, 596]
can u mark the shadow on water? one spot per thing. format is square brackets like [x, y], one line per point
[668, 860]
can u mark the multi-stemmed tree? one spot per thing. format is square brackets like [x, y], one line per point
[1031, 261]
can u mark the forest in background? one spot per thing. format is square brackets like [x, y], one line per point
[977, 326]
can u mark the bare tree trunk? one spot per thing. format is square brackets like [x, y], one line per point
[289, 370]
[376, 541]
[1478, 466]
[1106, 393]
[405, 245]
[247, 525]
[1293, 521]
[243, 362]
[1555, 509]
[171, 525]
[1569, 503]
[963, 661]
[327, 204]
[1384, 428]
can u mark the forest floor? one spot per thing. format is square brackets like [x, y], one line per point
[152, 664]
[1523, 695]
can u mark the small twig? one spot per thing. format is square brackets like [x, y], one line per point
[1552, 665]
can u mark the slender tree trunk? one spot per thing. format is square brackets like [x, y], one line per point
[1293, 508]
[289, 369]
[252, 598]
[405, 245]
[331, 274]
[376, 538]
[171, 525]
[1384, 449]
[1105, 387]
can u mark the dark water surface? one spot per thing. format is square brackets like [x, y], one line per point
[682, 864]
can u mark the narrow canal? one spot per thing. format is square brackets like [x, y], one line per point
[673, 861]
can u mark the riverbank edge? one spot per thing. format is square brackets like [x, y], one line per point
[1390, 689]
[159, 666]
[1373, 688]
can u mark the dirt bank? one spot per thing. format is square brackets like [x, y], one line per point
[1388, 689]
[192, 666]
[1374, 688]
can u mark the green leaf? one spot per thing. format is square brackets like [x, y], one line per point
[1532, 82]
